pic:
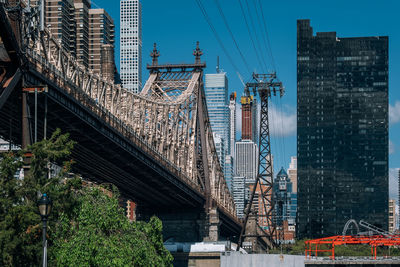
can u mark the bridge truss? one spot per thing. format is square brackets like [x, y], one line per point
[169, 117]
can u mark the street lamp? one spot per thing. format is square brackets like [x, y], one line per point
[44, 209]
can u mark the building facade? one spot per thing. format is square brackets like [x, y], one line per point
[246, 160]
[249, 118]
[216, 91]
[131, 44]
[238, 193]
[292, 173]
[87, 34]
[101, 34]
[82, 31]
[220, 149]
[392, 215]
[229, 158]
[246, 167]
[342, 131]
[60, 20]
[232, 123]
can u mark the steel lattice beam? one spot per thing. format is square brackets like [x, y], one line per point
[164, 117]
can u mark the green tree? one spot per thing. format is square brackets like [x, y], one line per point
[101, 235]
[20, 228]
[82, 220]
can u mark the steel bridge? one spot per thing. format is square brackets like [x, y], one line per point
[156, 146]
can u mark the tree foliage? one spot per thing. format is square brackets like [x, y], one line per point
[100, 235]
[86, 227]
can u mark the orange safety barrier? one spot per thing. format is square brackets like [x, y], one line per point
[314, 246]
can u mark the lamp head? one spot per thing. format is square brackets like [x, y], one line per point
[44, 205]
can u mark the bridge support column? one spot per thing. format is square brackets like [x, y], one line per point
[26, 133]
[212, 225]
[250, 243]
[185, 225]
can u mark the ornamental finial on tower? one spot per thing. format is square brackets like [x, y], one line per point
[155, 54]
[197, 53]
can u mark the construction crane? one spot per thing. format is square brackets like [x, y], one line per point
[266, 85]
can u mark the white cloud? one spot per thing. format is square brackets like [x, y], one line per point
[282, 120]
[391, 147]
[394, 113]
[393, 183]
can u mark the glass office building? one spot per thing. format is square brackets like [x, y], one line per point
[342, 131]
[216, 90]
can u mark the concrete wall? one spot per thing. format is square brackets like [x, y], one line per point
[235, 259]
[196, 259]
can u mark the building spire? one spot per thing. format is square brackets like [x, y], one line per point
[197, 53]
[155, 54]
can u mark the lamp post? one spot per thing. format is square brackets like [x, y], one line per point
[44, 209]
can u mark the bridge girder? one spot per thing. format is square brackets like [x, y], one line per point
[164, 119]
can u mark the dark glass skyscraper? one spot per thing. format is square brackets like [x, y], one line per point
[342, 131]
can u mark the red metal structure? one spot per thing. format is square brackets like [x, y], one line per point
[327, 244]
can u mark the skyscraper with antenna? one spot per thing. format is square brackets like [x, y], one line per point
[216, 90]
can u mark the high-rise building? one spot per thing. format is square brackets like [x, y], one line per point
[246, 160]
[238, 192]
[232, 123]
[249, 118]
[85, 33]
[292, 172]
[246, 164]
[342, 131]
[228, 170]
[216, 91]
[220, 149]
[60, 20]
[131, 44]
[108, 69]
[247, 121]
[101, 34]
[392, 215]
[229, 158]
[82, 31]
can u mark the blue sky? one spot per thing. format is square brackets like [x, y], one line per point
[176, 25]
